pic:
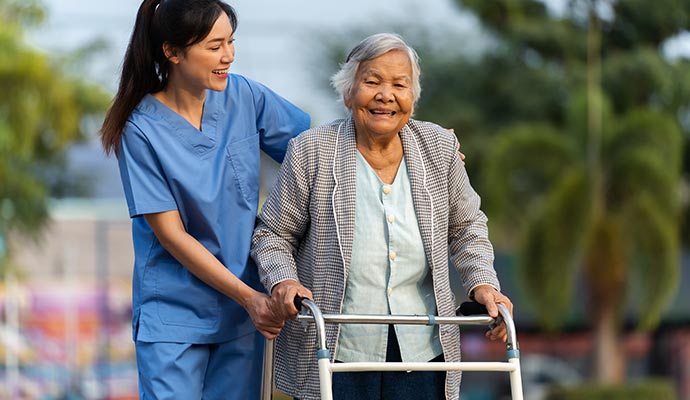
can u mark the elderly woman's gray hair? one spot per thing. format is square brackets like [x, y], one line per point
[368, 49]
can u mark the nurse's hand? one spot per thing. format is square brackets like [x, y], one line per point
[283, 295]
[265, 320]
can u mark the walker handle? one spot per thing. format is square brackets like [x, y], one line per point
[298, 302]
[475, 308]
[471, 308]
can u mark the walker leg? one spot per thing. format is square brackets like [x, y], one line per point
[267, 377]
[516, 380]
[325, 379]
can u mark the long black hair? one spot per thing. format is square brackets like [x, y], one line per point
[180, 23]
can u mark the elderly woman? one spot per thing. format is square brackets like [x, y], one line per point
[365, 215]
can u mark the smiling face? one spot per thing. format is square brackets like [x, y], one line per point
[204, 65]
[381, 99]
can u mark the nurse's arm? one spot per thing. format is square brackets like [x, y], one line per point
[170, 231]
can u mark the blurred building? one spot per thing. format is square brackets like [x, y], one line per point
[72, 301]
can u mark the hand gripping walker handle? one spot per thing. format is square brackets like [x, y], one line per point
[474, 308]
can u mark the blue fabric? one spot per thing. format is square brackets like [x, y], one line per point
[212, 178]
[389, 273]
[228, 371]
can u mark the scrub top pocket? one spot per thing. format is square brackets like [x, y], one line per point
[244, 159]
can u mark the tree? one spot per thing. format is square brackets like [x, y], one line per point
[575, 121]
[42, 110]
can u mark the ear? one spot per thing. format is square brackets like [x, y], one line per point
[347, 102]
[171, 53]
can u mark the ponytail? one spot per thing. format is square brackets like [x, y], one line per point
[138, 78]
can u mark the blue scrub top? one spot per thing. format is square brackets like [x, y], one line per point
[212, 178]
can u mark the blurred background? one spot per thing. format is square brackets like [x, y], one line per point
[574, 116]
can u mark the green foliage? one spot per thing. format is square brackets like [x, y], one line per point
[569, 147]
[20, 13]
[42, 109]
[549, 256]
[638, 24]
[656, 389]
[534, 156]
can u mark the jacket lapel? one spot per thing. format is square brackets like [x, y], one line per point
[344, 192]
[423, 203]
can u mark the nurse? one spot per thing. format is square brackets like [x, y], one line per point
[187, 135]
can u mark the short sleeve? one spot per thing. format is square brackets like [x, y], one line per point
[277, 120]
[143, 179]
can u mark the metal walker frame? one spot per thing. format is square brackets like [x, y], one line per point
[326, 367]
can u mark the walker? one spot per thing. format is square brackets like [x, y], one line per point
[326, 367]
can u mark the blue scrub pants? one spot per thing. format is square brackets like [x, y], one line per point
[228, 371]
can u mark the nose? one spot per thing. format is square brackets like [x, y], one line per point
[385, 93]
[228, 55]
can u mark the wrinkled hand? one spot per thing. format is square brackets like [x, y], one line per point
[283, 298]
[489, 296]
[265, 319]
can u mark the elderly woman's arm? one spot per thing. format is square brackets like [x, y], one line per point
[470, 248]
[280, 227]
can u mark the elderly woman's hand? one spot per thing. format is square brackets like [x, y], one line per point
[489, 296]
[283, 298]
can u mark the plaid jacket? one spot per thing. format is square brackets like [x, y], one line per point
[306, 229]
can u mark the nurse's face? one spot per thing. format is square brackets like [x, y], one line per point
[204, 65]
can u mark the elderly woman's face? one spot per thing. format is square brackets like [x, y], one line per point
[381, 100]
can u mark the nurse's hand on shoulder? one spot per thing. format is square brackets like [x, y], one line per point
[283, 295]
[489, 296]
[462, 155]
[265, 320]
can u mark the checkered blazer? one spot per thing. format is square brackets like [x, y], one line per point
[306, 229]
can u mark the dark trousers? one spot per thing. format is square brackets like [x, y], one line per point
[392, 385]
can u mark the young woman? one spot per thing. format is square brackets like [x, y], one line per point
[187, 135]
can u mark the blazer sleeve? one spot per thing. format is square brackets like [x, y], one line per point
[468, 234]
[283, 221]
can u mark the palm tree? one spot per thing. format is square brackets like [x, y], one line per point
[611, 214]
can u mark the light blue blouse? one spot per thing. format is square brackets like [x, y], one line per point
[389, 272]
